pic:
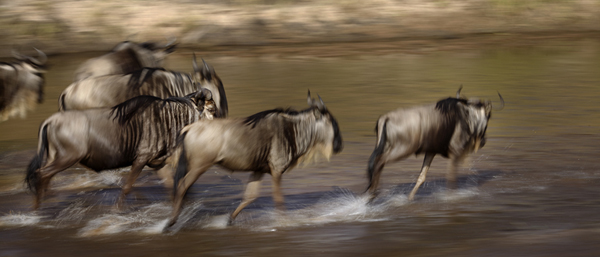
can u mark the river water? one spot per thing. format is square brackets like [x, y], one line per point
[531, 191]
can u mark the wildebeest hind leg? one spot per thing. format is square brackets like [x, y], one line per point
[46, 174]
[426, 163]
[251, 193]
[182, 188]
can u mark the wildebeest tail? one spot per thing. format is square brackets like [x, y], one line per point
[32, 176]
[181, 163]
[376, 155]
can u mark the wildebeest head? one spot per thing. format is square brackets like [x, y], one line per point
[124, 58]
[149, 53]
[21, 84]
[477, 113]
[204, 103]
[34, 65]
[324, 119]
[206, 76]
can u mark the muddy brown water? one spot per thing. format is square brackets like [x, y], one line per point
[531, 191]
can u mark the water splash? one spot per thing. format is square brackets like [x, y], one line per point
[217, 222]
[456, 195]
[20, 219]
[340, 205]
[148, 220]
[90, 179]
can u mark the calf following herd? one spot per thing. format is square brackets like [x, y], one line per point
[124, 109]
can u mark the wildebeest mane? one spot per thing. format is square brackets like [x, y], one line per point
[256, 118]
[136, 80]
[449, 105]
[123, 112]
[162, 84]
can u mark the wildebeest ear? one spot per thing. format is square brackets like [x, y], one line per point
[309, 100]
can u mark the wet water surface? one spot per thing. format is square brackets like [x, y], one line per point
[531, 191]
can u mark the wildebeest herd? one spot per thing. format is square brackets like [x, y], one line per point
[124, 109]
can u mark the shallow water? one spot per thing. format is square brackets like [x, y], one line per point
[531, 191]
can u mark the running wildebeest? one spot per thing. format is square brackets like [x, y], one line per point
[138, 132]
[453, 128]
[21, 85]
[124, 58]
[108, 91]
[272, 141]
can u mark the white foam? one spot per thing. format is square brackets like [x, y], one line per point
[20, 219]
[217, 222]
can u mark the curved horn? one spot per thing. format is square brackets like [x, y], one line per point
[321, 104]
[42, 58]
[205, 65]
[194, 63]
[171, 41]
[458, 92]
[501, 101]
[18, 55]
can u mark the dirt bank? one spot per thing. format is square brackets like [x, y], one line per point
[73, 26]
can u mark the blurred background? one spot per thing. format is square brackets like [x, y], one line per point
[531, 191]
[73, 26]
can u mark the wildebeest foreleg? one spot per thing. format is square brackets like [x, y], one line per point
[426, 163]
[134, 173]
[277, 195]
[451, 175]
[251, 193]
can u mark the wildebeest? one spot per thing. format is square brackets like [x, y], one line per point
[21, 85]
[108, 91]
[138, 132]
[124, 58]
[453, 128]
[272, 141]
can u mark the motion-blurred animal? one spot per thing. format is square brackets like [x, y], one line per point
[124, 58]
[272, 141]
[21, 85]
[141, 131]
[108, 91]
[453, 128]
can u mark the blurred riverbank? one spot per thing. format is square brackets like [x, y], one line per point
[64, 26]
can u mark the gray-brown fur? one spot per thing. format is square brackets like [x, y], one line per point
[453, 128]
[107, 91]
[124, 58]
[270, 142]
[21, 85]
[141, 131]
